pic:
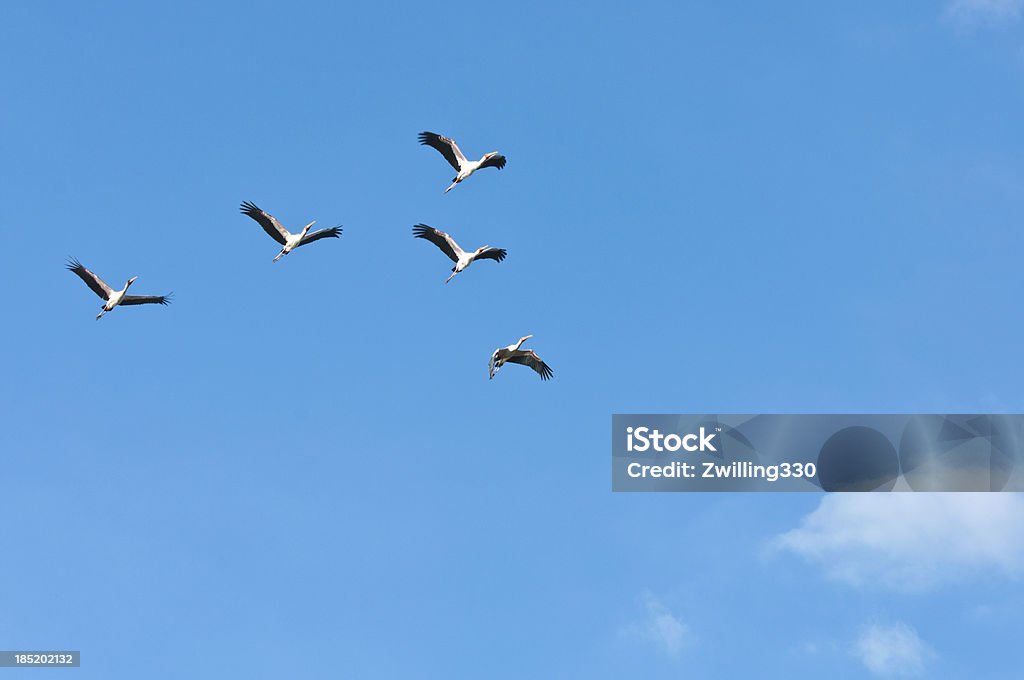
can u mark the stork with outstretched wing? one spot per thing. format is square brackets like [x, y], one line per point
[449, 247]
[463, 166]
[526, 357]
[288, 240]
[112, 298]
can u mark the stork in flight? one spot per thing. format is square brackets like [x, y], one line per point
[449, 247]
[526, 357]
[288, 240]
[112, 298]
[451, 152]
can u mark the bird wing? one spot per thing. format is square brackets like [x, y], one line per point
[147, 299]
[492, 365]
[333, 232]
[440, 239]
[91, 280]
[496, 254]
[268, 222]
[527, 357]
[447, 146]
[495, 161]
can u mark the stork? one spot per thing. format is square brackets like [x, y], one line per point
[449, 247]
[288, 240]
[526, 357]
[463, 166]
[112, 298]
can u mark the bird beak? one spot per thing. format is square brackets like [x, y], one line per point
[132, 280]
[310, 224]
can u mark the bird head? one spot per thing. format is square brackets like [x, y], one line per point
[130, 281]
[306, 228]
[481, 249]
[491, 154]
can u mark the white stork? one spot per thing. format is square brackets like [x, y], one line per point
[112, 298]
[526, 357]
[449, 247]
[288, 240]
[451, 152]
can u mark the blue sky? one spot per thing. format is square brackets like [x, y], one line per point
[301, 470]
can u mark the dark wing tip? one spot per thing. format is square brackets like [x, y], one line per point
[496, 254]
[427, 137]
[545, 371]
[166, 299]
[495, 161]
[248, 207]
[421, 230]
[72, 264]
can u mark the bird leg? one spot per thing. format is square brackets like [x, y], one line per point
[280, 255]
[452, 186]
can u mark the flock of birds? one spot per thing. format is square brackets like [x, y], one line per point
[464, 168]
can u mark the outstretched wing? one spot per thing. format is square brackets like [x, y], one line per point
[496, 254]
[440, 239]
[448, 148]
[91, 280]
[495, 161]
[492, 365]
[147, 299]
[267, 221]
[527, 357]
[333, 232]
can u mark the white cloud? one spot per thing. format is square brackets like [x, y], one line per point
[893, 650]
[660, 627]
[911, 541]
[972, 13]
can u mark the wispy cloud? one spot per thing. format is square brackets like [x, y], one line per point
[659, 627]
[893, 650]
[911, 541]
[818, 647]
[975, 13]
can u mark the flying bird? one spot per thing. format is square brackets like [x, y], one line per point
[451, 152]
[288, 240]
[449, 247]
[112, 298]
[526, 357]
